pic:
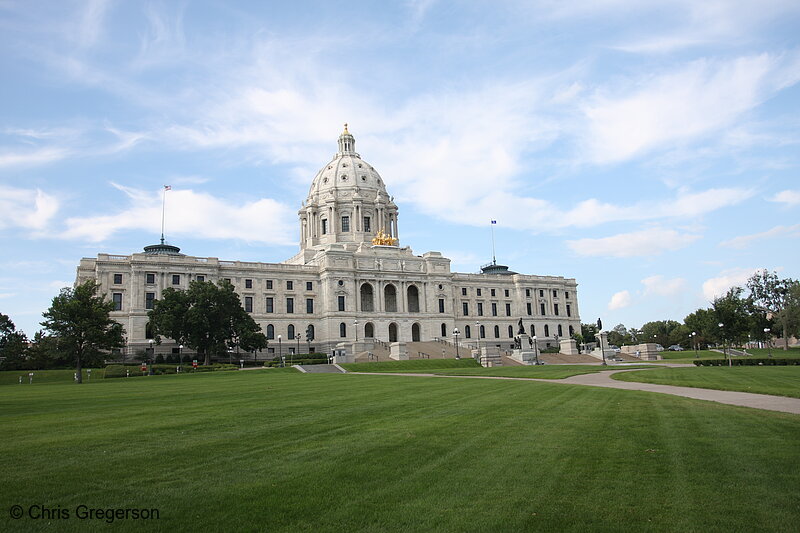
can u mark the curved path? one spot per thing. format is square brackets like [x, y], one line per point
[603, 379]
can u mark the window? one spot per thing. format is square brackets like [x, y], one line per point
[412, 299]
[248, 304]
[483, 332]
[546, 330]
[530, 311]
[444, 331]
[492, 292]
[569, 310]
[555, 293]
[309, 305]
[342, 330]
[270, 305]
[555, 309]
[201, 278]
[541, 308]
[270, 332]
[390, 298]
[228, 280]
[506, 293]
[176, 279]
[345, 224]
[465, 308]
[117, 297]
[441, 305]
[150, 278]
[341, 303]
[533, 330]
[148, 331]
[463, 291]
[290, 285]
[478, 292]
[290, 331]
[510, 332]
[494, 309]
[467, 332]
[290, 305]
[566, 295]
[248, 284]
[560, 331]
[309, 285]
[310, 333]
[497, 332]
[117, 279]
[149, 300]
[269, 284]
[541, 293]
[324, 226]
[527, 293]
[367, 302]
[571, 331]
[508, 309]
[367, 227]
[480, 308]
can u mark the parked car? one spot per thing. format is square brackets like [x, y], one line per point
[614, 347]
[659, 348]
[676, 348]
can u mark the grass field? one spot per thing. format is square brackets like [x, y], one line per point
[538, 372]
[416, 365]
[48, 377]
[777, 380]
[282, 451]
[688, 356]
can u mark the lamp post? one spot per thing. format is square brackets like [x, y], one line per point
[355, 328]
[694, 343]
[478, 335]
[769, 340]
[180, 357]
[152, 356]
[124, 349]
[536, 349]
[724, 345]
[280, 351]
[298, 345]
[456, 333]
[602, 351]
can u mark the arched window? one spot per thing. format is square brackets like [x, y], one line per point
[392, 332]
[483, 332]
[415, 332]
[270, 331]
[533, 330]
[510, 332]
[560, 331]
[444, 331]
[343, 330]
[571, 331]
[546, 330]
[366, 298]
[390, 298]
[497, 332]
[467, 332]
[290, 331]
[413, 299]
[148, 331]
[310, 333]
[369, 330]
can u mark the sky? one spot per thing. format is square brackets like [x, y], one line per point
[650, 150]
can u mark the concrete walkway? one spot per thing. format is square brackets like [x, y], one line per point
[603, 379]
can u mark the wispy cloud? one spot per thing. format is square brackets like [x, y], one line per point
[743, 241]
[30, 209]
[648, 242]
[658, 285]
[789, 197]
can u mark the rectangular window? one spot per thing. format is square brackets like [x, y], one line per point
[149, 299]
[248, 284]
[492, 292]
[117, 298]
[341, 303]
[367, 227]
[527, 293]
[463, 291]
[345, 224]
[309, 305]
[117, 279]
[324, 226]
[506, 293]
[541, 308]
[569, 311]
[248, 304]
[200, 277]
[228, 280]
[269, 284]
[494, 309]
[555, 294]
[508, 309]
[270, 305]
[566, 295]
[465, 308]
[441, 305]
[150, 278]
[555, 309]
[176, 279]
[309, 285]
[290, 285]
[530, 311]
[290, 305]
[541, 293]
[478, 292]
[480, 308]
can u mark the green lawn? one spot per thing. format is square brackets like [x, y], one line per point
[416, 365]
[11, 377]
[279, 451]
[688, 356]
[777, 380]
[539, 372]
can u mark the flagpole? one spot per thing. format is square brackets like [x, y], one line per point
[163, 209]
[494, 258]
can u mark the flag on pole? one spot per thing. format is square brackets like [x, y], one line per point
[494, 222]
[167, 187]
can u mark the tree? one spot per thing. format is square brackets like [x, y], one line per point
[774, 296]
[588, 331]
[658, 331]
[704, 324]
[207, 317]
[13, 345]
[732, 311]
[79, 320]
[619, 335]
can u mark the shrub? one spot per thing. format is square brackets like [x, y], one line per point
[159, 359]
[748, 361]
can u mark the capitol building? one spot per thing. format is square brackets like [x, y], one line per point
[351, 281]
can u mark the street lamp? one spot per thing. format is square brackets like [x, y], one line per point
[769, 340]
[478, 335]
[536, 349]
[152, 356]
[355, 328]
[724, 345]
[280, 351]
[456, 333]
[298, 345]
[180, 357]
[694, 343]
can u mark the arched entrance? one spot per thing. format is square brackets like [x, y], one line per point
[413, 299]
[390, 299]
[392, 332]
[369, 330]
[415, 336]
[366, 298]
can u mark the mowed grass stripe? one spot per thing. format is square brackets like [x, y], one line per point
[261, 450]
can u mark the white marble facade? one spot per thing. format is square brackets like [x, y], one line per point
[342, 285]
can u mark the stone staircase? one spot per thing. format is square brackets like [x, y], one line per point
[319, 369]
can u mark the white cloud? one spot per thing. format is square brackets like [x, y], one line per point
[646, 242]
[716, 287]
[26, 208]
[660, 286]
[743, 241]
[788, 197]
[32, 157]
[619, 300]
[190, 214]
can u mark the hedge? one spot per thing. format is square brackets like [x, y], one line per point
[748, 361]
[120, 371]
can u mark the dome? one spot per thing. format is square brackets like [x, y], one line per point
[347, 172]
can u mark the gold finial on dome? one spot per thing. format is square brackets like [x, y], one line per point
[345, 129]
[383, 239]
